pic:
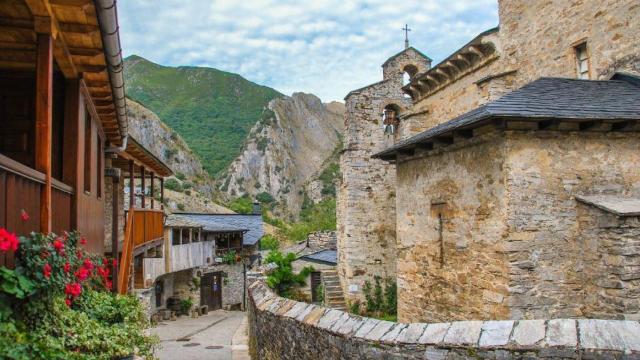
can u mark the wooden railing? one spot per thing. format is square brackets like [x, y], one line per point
[143, 226]
[20, 190]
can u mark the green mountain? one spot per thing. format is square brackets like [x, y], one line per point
[211, 109]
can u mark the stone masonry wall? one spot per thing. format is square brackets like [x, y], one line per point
[464, 277]
[109, 192]
[550, 259]
[322, 240]
[612, 263]
[366, 197]
[233, 283]
[538, 36]
[283, 329]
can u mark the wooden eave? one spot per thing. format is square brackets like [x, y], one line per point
[141, 157]
[78, 49]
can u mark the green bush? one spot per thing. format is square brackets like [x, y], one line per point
[185, 306]
[53, 305]
[283, 280]
[173, 184]
[265, 198]
[381, 303]
[241, 205]
[269, 242]
[180, 207]
[181, 176]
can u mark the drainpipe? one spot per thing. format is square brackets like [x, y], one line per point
[108, 22]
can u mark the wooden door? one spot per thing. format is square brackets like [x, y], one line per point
[316, 282]
[211, 290]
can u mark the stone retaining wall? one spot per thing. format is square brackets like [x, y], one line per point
[285, 329]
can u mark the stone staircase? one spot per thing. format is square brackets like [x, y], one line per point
[333, 296]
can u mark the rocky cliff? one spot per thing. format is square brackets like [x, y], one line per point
[191, 189]
[286, 152]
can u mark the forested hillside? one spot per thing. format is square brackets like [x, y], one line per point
[211, 109]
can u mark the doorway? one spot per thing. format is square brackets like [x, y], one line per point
[211, 290]
[316, 282]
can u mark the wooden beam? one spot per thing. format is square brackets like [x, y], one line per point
[151, 189]
[162, 193]
[132, 198]
[74, 3]
[88, 68]
[81, 51]
[142, 186]
[115, 190]
[79, 28]
[44, 113]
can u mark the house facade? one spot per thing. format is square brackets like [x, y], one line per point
[513, 184]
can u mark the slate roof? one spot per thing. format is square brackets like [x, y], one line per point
[252, 224]
[405, 50]
[545, 98]
[323, 256]
[618, 205]
[181, 221]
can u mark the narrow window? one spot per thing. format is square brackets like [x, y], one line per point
[582, 61]
[175, 236]
[99, 169]
[87, 151]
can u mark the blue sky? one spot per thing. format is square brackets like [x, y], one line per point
[324, 47]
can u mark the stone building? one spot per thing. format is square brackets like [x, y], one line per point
[511, 180]
[366, 199]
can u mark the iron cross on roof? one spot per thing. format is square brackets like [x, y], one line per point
[406, 35]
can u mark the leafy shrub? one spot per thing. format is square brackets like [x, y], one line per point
[53, 305]
[230, 257]
[242, 205]
[173, 184]
[181, 176]
[180, 207]
[265, 198]
[186, 305]
[170, 153]
[269, 242]
[283, 280]
[381, 303]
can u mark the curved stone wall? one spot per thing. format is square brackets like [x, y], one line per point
[284, 329]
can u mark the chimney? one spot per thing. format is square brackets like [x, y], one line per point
[257, 208]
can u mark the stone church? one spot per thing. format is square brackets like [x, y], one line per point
[503, 182]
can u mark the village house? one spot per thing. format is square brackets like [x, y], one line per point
[507, 186]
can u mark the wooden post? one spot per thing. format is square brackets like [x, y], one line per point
[142, 186]
[162, 193]
[132, 180]
[151, 190]
[114, 232]
[44, 100]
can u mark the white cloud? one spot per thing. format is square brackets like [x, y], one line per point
[326, 47]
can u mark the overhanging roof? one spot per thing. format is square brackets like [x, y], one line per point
[540, 100]
[138, 153]
[250, 224]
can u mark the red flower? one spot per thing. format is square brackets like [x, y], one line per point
[8, 241]
[67, 267]
[87, 264]
[58, 245]
[108, 284]
[83, 241]
[46, 270]
[82, 274]
[79, 254]
[73, 289]
[114, 262]
[24, 216]
[68, 302]
[103, 271]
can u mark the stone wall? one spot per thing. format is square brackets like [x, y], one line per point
[232, 285]
[550, 256]
[465, 275]
[322, 240]
[514, 243]
[538, 36]
[109, 192]
[285, 329]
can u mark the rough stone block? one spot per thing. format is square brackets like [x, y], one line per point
[411, 333]
[295, 309]
[350, 326]
[562, 332]
[366, 327]
[495, 333]
[463, 333]
[393, 334]
[314, 316]
[609, 335]
[528, 332]
[329, 318]
[307, 310]
[434, 333]
[436, 354]
[379, 330]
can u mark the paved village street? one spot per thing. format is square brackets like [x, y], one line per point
[219, 335]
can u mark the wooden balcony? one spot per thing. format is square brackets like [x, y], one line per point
[20, 188]
[143, 231]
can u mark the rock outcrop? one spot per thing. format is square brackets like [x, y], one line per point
[286, 151]
[195, 186]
